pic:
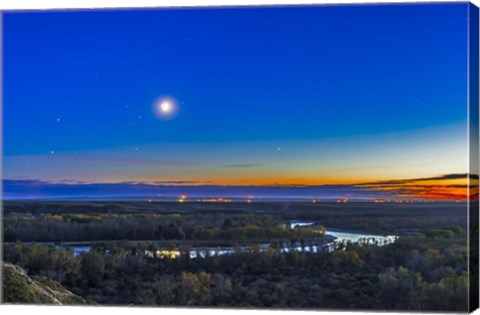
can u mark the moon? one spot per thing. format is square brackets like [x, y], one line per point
[165, 107]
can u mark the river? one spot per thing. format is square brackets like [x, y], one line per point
[338, 236]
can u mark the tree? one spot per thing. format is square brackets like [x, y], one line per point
[163, 289]
[400, 288]
[92, 267]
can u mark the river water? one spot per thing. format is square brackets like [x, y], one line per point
[338, 236]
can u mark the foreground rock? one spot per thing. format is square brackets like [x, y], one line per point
[19, 288]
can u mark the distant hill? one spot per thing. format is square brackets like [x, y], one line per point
[19, 288]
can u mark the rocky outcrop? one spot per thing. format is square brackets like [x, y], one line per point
[19, 288]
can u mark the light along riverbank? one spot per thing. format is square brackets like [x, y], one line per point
[332, 239]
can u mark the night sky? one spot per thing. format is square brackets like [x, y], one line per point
[304, 96]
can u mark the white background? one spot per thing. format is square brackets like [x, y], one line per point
[64, 4]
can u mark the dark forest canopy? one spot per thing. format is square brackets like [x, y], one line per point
[425, 269]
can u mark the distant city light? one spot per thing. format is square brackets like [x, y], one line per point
[215, 200]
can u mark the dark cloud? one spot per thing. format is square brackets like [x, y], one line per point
[243, 165]
[179, 182]
[24, 182]
[37, 189]
[437, 188]
[411, 180]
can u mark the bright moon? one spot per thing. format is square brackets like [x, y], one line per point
[165, 108]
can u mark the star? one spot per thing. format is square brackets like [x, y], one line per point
[52, 152]
[58, 119]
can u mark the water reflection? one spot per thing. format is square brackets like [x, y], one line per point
[336, 238]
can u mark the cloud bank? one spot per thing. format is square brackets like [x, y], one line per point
[445, 187]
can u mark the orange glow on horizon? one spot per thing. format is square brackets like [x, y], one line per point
[453, 188]
[428, 189]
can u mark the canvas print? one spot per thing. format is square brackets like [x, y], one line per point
[282, 157]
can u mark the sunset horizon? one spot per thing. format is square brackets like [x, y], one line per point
[450, 187]
[238, 109]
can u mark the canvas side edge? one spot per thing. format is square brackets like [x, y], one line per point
[473, 158]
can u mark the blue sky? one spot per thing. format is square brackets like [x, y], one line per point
[266, 96]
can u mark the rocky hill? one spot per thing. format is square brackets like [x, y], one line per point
[19, 288]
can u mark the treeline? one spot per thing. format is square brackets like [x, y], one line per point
[94, 227]
[365, 216]
[426, 273]
[386, 222]
[258, 232]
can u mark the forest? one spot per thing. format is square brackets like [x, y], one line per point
[424, 269]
